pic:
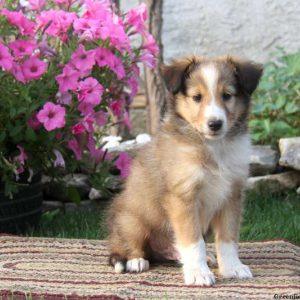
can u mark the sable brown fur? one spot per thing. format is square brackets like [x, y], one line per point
[179, 185]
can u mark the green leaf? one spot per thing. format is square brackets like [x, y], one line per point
[73, 194]
[12, 112]
[267, 127]
[278, 103]
[291, 107]
[293, 63]
[256, 123]
[257, 108]
[2, 136]
[280, 126]
[256, 136]
[266, 85]
[30, 134]
[21, 110]
[15, 131]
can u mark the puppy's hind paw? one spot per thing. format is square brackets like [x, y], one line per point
[119, 267]
[211, 259]
[137, 265]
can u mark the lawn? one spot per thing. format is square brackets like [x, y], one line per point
[265, 217]
[272, 217]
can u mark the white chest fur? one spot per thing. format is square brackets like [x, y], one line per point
[232, 161]
[232, 157]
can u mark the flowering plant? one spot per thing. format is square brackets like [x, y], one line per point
[68, 71]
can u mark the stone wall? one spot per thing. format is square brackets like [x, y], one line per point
[252, 29]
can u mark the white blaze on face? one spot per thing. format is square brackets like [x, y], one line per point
[213, 111]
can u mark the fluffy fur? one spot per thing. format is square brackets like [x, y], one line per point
[190, 177]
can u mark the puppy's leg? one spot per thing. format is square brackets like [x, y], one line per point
[226, 229]
[137, 238]
[128, 245]
[184, 218]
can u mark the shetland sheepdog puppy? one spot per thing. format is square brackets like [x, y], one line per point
[190, 177]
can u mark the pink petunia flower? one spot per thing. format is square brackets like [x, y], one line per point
[6, 60]
[150, 44]
[137, 17]
[88, 123]
[33, 122]
[117, 66]
[36, 4]
[52, 116]
[82, 59]
[56, 22]
[68, 80]
[135, 69]
[84, 29]
[67, 2]
[119, 38]
[91, 29]
[22, 47]
[17, 18]
[96, 153]
[133, 85]
[33, 68]
[85, 108]
[116, 107]
[82, 73]
[64, 98]
[123, 163]
[103, 56]
[45, 49]
[17, 71]
[21, 158]
[148, 59]
[126, 120]
[59, 160]
[90, 91]
[78, 128]
[74, 146]
[101, 118]
[59, 136]
[97, 9]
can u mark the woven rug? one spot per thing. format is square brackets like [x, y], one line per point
[41, 268]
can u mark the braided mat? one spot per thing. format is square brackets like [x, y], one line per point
[41, 268]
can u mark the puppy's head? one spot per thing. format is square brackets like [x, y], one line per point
[212, 95]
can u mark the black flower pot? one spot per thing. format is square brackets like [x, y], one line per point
[23, 211]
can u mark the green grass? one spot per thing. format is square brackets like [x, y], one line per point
[265, 217]
[77, 225]
[271, 217]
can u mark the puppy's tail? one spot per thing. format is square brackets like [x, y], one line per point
[118, 262]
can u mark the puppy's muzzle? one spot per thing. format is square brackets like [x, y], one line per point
[215, 125]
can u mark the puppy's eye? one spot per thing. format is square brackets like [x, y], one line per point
[197, 98]
[226, 96]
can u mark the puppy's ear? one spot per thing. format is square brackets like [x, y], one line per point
[177, 72]
[248, 74]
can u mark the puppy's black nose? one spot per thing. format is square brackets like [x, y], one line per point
[215, 125]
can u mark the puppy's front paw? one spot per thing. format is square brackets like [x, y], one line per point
[137, 265]
[238, 271]
[198, 276]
